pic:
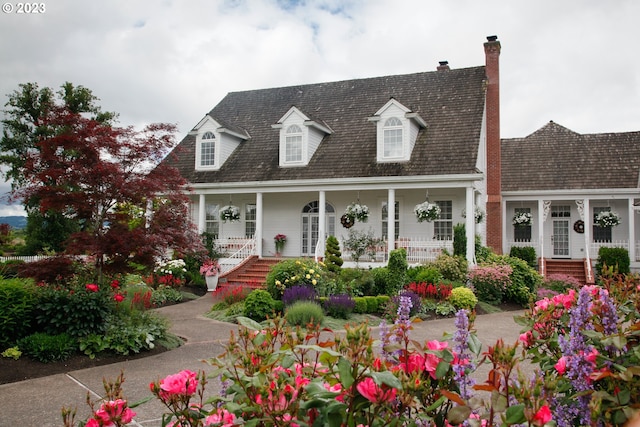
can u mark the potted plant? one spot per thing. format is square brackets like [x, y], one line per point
[607, 219]
[522, 219]
[210, 270]
[356, 211]
[426, 211]
[230, 213]
[279, 240]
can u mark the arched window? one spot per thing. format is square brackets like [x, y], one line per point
[393, 135]
[208, 149]
[311, 225]
[293, 144]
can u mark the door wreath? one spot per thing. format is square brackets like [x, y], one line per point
[578, 226]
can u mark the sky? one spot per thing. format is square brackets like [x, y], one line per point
[575, 62]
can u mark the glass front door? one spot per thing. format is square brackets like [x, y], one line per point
[560, 238]
[311, 226]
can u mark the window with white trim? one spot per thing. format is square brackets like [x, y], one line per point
[443, 226]
[250, 220]
[392, 138]
[293, 144]
[212, 219]
[385, 220]
[208, 149]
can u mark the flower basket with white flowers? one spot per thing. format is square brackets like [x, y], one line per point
[477, 213]
[607, 219]
[426, 211]
[230, 213]
[356, 211]
[522, 219]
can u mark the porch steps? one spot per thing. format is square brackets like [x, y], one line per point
[251, 273]
[570, 267]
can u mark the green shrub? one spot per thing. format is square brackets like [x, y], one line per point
[258, 305]
[165, 295]
[332, 255]
[361, 305]
[463, 298]
[380, 277]
[452, 268]
[490, 282]
[524, 279]
[302, 313]
[382, 301]
[613, 258]
[424, 274]
[525, 253]
[373, 304]
[357, 282]
[293, 272]
[76, 310]
[10, 269]
[47, 348]
[459, 240]
[17, 304]
[445, 308]
[12, 352]
[397, 267]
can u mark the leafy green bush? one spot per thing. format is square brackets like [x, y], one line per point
[445, 308]
[165, 294]
[380, 277]
[357, 282]
[459, 240]
[525, 253]
[397, 266]
[615, 258]
[524, 279]
[382, 300]
[424, 274]
[463, 298]
[452, 268]
[332, 255]
[258, 305]
[10, 269]
[360, 305]
[302, 313]
[17, 304]
[293, 272]
[373, 304]
[47, 348]
[490, 282]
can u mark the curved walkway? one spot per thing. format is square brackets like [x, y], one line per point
[38, 402]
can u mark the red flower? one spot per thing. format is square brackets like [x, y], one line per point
[375, 393]
[91, 287]
[115, 284]
[542, 417]
[118, 297]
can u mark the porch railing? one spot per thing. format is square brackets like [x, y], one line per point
[418, 250]
[237, 249]
[595, 246]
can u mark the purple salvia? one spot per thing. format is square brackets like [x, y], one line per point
[461, 348]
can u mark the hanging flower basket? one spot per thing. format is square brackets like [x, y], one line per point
[522, 219]
[230, 213]
[426, 211]
[477, 213]
[356, 211]
[607, 219]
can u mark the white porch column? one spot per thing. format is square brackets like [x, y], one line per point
[391, 220]
[470, 223]
[322, 223]
[259, 224]
[541, 218]
[587, 227]
[632, 230]
[202, 214]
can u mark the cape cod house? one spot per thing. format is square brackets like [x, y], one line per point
[290, 161]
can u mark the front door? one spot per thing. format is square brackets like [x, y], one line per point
[560, 238]
[311, 228]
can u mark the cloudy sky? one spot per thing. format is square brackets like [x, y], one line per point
[574, 62]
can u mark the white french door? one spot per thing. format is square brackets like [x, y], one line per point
[561, 216]
[311, 226]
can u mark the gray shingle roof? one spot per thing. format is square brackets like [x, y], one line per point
[556, 158]
[450, 102]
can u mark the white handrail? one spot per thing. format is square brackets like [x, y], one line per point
[245, 251]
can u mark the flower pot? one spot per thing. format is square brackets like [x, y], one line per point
[212, 282]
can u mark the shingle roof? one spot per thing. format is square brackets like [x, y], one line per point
[556, 158]
[450, 102]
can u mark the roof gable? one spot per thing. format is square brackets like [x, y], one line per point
[557, 158]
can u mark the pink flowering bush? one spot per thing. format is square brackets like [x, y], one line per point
[490, 282]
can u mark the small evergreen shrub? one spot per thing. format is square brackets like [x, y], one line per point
[490, 282]
[373, 304]
[463, 298]
[426, 274]
[397, 267]
[360, 306]
[381, 300]
[460, 240]
[357, 282]
[298, 293]
[302, 313]
[525, 253]
[452, 268]
[613, 258]
[47, 348]
[339, 306]
[380, 278]
[258, 305]
[524, 279]
[332, 255]
[17, 304]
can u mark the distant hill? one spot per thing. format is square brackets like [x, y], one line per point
[14, 221]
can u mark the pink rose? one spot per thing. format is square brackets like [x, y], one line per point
[561, 365]
[437, 345]
[91, 287]
[415, 362]
[115, 411]
[431, 362]
[542, 417]
[221, 416]
[92, 423]
[526, 338]
[183, 383]
[374, 393]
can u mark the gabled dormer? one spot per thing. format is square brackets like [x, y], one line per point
[397, 129]
[215, 143]
[300, 136]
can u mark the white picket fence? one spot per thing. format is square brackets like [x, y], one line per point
[418, 250]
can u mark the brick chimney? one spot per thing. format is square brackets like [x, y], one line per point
[494, 166]
[444, 66]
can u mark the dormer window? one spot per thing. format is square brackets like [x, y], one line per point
[397, 129]
[293, 144]
[208, 149]
[392, 135]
